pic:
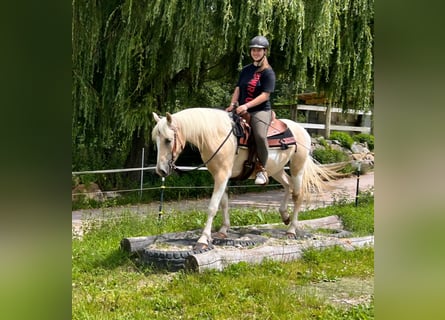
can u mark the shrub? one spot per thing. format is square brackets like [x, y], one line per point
[329, 155]
[344, 138]
[365, 137]
[322, 141]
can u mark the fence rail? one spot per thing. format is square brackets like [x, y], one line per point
[75, 173]
[303, 107]
[149, 168]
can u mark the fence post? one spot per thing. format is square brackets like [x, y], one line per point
[358, 183]
[161, 202]
[142, 174]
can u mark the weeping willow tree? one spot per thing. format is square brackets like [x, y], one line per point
[134, 57]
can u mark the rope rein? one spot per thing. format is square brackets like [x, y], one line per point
[205, 163]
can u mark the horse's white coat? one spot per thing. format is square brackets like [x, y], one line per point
[206, 129]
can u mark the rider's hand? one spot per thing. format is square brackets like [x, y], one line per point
[229, 108]
[242, 109]
[232, 105]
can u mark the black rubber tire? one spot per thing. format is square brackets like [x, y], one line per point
[239, 243]
[168, 260]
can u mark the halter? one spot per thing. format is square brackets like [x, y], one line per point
[171, 162]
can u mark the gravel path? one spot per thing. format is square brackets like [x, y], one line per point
[340, 189]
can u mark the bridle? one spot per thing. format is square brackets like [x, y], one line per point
[171, 162]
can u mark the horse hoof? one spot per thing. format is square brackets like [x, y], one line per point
[219, 235]
[286, 221]
[299, 235]
[200, 246]
[292, 236]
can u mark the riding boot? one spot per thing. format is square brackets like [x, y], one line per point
[261, 176]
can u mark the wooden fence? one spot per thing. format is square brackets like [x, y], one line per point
[327, 126]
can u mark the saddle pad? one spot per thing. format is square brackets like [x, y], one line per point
[282, 140]
[276, 127]
[278, 134]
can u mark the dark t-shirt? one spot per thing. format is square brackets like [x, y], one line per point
[252, 83]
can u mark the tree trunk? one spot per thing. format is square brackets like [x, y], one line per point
[327, 122]
[134, 159]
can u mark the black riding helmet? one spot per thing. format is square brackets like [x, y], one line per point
[259, 42]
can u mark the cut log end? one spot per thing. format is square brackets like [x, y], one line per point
[125, 245]
[191, 264]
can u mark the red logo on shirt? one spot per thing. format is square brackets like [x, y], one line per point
[251, 86]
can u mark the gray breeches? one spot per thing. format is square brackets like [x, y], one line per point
[259, 122]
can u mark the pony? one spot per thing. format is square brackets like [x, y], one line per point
[211, 132]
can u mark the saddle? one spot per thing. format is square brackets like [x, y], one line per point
[278, 136]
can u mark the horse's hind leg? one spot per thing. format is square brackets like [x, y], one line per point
[284, 179]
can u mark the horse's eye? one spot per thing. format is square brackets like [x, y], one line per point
[168, 141]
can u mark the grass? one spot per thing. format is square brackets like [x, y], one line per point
[107, 284]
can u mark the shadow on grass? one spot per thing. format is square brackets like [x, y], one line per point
[115, 259]
[120, 259]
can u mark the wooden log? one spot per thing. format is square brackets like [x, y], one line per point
[330, 222]
[220, 258]
[135, 244]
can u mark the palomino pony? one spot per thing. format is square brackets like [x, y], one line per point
[211, 131]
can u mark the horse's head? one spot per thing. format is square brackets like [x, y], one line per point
[168, 142]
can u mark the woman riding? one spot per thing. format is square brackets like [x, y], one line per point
[252, 94]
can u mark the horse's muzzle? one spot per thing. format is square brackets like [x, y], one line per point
[162, 172]
[164, 169]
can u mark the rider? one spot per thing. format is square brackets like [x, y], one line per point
[252, 94]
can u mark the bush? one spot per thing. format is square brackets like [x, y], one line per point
[344, 138]
[322, 141]
[329, 155]
[365, 137]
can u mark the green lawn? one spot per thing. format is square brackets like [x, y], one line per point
[328, 284]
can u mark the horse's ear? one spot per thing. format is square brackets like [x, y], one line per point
[156, 117]
[169, 118]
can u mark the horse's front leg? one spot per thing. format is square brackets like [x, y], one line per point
[222, 233]
[218, 193]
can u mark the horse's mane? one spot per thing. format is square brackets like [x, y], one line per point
[199, 125]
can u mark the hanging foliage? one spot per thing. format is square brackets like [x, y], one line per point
[134, 57]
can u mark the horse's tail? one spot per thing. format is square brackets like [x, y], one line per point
[315, 176]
